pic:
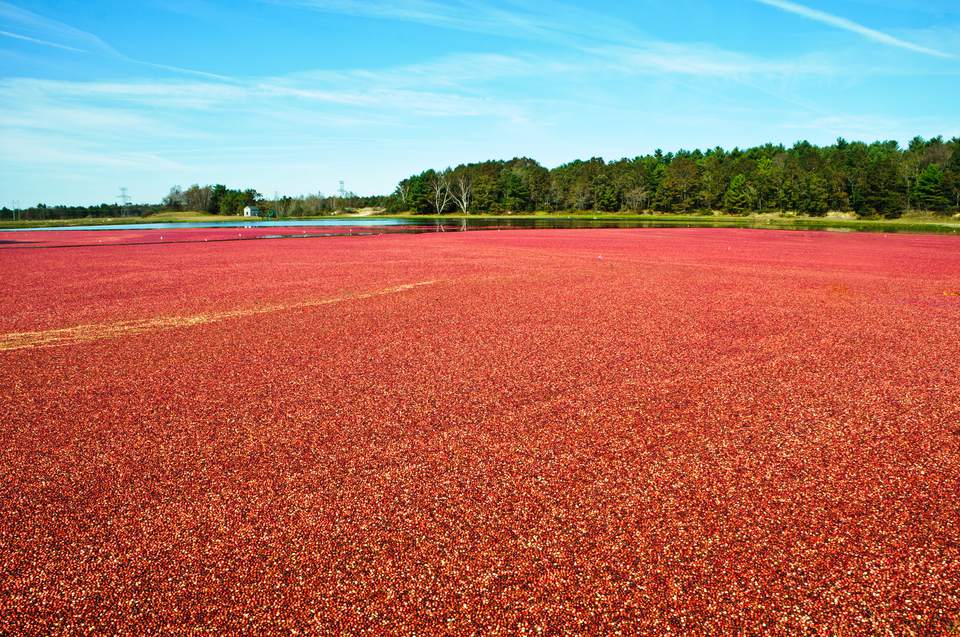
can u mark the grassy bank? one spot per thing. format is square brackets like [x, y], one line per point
[907, 223]
[163, 217]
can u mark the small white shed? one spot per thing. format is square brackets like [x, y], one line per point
[251, 211]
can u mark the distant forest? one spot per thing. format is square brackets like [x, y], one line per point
[224, 201]
[872, 180]
[879, 179]
[217, 199]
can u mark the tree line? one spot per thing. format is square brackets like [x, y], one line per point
[216, 199]
[877, 179]
[220, 200]
[42, 211]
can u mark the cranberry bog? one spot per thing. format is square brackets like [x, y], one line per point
[683, 431]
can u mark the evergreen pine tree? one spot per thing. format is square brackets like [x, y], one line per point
[605, 195]
[814, 198]
[928, 191]
[951, 176]
[739, 196]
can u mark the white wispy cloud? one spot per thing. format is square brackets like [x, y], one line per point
[50, 31]
[138, 119]
[27, 102]
[157, 94]
[194, 9]
[851, 26]
[34, 149]
[867, 126]
[450, 71]
[593, 43]
[26, 38]
[523, 19]
[37, 29]
[701, 60]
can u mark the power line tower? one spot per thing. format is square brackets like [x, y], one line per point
[124, 201]
[341, 197]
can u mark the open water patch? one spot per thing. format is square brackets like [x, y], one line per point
[174, 225]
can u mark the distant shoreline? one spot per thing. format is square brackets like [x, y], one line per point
[907, 223]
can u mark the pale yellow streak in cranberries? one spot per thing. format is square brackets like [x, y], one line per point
[101, 331]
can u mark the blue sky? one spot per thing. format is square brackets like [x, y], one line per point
[294, 95]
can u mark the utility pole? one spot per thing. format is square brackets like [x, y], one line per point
[124, 201]
[341, 196]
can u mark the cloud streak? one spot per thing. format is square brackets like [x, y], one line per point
[699, 60]
[853, 27]
[26, 38]
[562, 23]
[52, 33]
